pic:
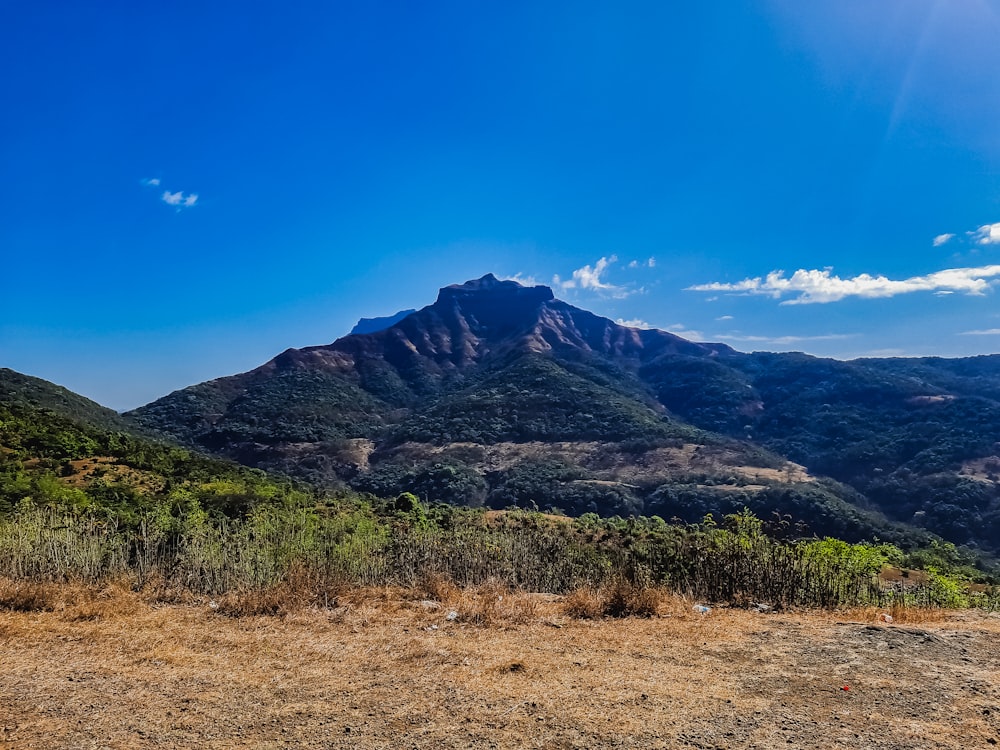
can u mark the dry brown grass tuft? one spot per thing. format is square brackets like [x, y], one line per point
[584, 603]
[29, 596]
[902, 613]
[74, 602]
[899, 613]
[494, 605]
[439, 588]
[625, 599]
[619, 598]
[301, 587]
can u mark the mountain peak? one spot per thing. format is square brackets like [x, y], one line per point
[494, 287]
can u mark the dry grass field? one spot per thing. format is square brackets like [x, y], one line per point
[486, 669]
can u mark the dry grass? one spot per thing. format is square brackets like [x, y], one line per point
[74, 601]
[898, 615]
[437, 587]
[617, 599]
[385, 668]
[494, 605]
[300, 588]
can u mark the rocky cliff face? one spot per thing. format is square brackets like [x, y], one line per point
[448, 397]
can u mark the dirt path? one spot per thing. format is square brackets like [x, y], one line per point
[395, 675]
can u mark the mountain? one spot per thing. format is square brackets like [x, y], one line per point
[501, 394]
[373, 325]
[60, 449]
[37, 394]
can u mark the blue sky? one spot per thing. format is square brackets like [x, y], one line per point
[190, 188]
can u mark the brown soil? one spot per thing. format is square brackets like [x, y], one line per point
[381, 670]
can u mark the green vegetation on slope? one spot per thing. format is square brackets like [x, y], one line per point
[493, 363]
[897, 431]
[537, 398]
[80, 502]
[47, 459]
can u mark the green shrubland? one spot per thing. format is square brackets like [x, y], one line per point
[90, 503]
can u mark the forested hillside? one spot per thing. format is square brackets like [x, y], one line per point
[500, 394]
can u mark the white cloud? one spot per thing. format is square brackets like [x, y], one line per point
[815, 286]
[590, 278]
[885, 353]
[179, 199]
[691, 335]
[785, 340]
[176, 199]
[942, 238]
[985, 332]
[988, 234]
[522, 279]
[593, 278]
[725, 317]
[649, 263]
[634, 323]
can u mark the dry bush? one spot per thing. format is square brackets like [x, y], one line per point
[74, 601]
[275, 600]
[115, 599]
[386, 598]
[584, 603]
[624, 599]
[495, 605]
[438, 587]
[913, 614]
[899, 612]
[620, 598]
[158, 590]
[299, 588]
[29, 596]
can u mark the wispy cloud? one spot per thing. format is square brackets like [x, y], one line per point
[177, 199]
[784, 340]
[634, 323]
[943, 238]
[593, 278]
[815, 286]
[988, 234]
[984, 332]
[648, 263]
[725, 317]
[589, 277]
[522, 279]
[680, 329]
[891, 352]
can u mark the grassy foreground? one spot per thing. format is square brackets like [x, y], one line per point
[392, 667]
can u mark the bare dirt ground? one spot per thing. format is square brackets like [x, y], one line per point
[385, 671]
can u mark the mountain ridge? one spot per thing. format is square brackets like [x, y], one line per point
[493, 363]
